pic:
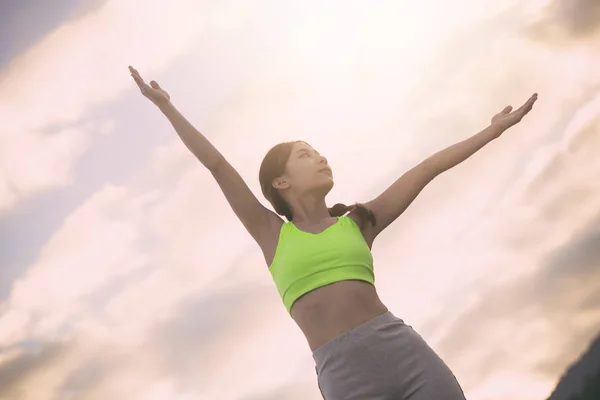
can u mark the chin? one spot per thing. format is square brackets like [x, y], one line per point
[326, 187]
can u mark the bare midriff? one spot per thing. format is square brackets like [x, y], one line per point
[332, 310]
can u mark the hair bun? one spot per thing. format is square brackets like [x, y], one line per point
[364, 213]
[339, 209]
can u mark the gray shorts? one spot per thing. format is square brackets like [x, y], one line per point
[383, 359]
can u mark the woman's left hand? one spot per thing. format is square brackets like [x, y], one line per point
[507, 117]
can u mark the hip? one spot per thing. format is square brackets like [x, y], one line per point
[383, 359]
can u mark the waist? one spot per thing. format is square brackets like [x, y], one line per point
[331, 310]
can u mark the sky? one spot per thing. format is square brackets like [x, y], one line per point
[123, 271]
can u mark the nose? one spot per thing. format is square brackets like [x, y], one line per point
[322, 160]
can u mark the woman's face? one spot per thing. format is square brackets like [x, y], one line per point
[306, 171]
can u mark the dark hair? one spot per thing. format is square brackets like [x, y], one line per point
[273, 166]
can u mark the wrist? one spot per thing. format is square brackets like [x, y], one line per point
[166, 107]
[496, 130]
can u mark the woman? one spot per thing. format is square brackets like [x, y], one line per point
[321, 260]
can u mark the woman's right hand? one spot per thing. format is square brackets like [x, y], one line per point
[154, 92]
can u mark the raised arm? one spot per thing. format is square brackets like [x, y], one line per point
[260, 222]
[395, 200]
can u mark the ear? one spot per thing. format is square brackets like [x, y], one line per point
[280, 183]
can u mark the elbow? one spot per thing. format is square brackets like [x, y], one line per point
[215, 163]
[430, 168]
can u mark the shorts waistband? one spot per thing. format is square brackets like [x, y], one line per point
[353, 333]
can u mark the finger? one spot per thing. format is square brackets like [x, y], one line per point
[531, 100]
[137, 78]
[133, 70]
[140, 82]
[529, 103]
[141, 85]
[135, 73]
[507, 110]
[155, 85]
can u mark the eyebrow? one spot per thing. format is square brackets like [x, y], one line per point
[306, 151]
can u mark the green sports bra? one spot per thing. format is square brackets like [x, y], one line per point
[305, 261]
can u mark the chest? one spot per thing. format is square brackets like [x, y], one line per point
[336, 246]
[316, 228]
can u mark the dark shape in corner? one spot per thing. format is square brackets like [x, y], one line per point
[581, 381]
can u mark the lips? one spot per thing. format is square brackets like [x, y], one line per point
[326, 169]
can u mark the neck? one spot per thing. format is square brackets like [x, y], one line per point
[309, 208]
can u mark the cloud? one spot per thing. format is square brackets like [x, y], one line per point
[51, 291]
[49, 92]
[121, 248]
[156, 291]
[578, 17]
[528, 316]
[562, 22]
[25, 367]
[555, 283]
